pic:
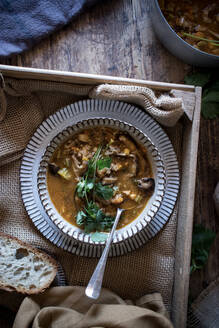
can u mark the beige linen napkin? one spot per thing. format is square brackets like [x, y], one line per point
[68, 307]
[165, 109]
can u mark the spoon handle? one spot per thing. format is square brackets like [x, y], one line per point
[94, 286]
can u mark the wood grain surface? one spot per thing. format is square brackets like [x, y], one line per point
[116, 38]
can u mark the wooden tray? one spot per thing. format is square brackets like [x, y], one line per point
[192, 99]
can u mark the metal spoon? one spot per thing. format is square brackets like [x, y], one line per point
[94, 286]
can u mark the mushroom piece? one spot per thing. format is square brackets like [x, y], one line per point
[133, 167]
[112, 150]
[103, 172]
[83, 152]
[115, 167]
[117, 152]
[53, 168]
[146, 184]
[78, 168]
[83, 137]
[109, 180]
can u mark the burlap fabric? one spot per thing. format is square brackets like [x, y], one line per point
[148, 269]
[68, 307]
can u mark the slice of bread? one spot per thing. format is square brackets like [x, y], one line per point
[23, 268]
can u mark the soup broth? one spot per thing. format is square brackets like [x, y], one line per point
[197, 22]
[96, 171]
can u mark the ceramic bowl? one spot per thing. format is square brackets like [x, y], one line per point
[152, 205]
[176, 45]
[65, 123]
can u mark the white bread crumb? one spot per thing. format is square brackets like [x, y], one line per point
[23, 268]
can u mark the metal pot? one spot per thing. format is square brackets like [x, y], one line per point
[176, 45]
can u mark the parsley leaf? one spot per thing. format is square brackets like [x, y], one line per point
[81, 188]
[87, 182]
[106, 223]
[92, 218]
[84, 186]
[104, 162]
[90, 168]
[209, 82]
[92, 209]
[80, 218]
[210, 101]
[200, 78]
[210, 109]
[89, 226]
[102, 191]
[202, 240]
[92, 163]
[99, 236]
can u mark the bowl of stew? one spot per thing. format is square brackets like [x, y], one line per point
[93, 168]
[189, 29]
[88, 159]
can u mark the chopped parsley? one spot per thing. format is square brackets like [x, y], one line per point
[102, 191]
[91, 217]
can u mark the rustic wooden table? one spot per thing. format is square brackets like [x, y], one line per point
[116, 38]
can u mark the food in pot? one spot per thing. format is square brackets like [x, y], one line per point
[96, 171]
[195, 21]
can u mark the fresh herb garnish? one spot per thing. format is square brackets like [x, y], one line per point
[80, 218]
[86, 183]
[92, 218]
[84, 186]
[98, 237]
[104, 162]
[209, 82]
[102, 191]
[214, 42]
[202, 240]
[92, 163]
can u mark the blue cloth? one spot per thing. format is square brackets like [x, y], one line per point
[25, 22]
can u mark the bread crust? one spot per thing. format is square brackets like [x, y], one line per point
[42, 255]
